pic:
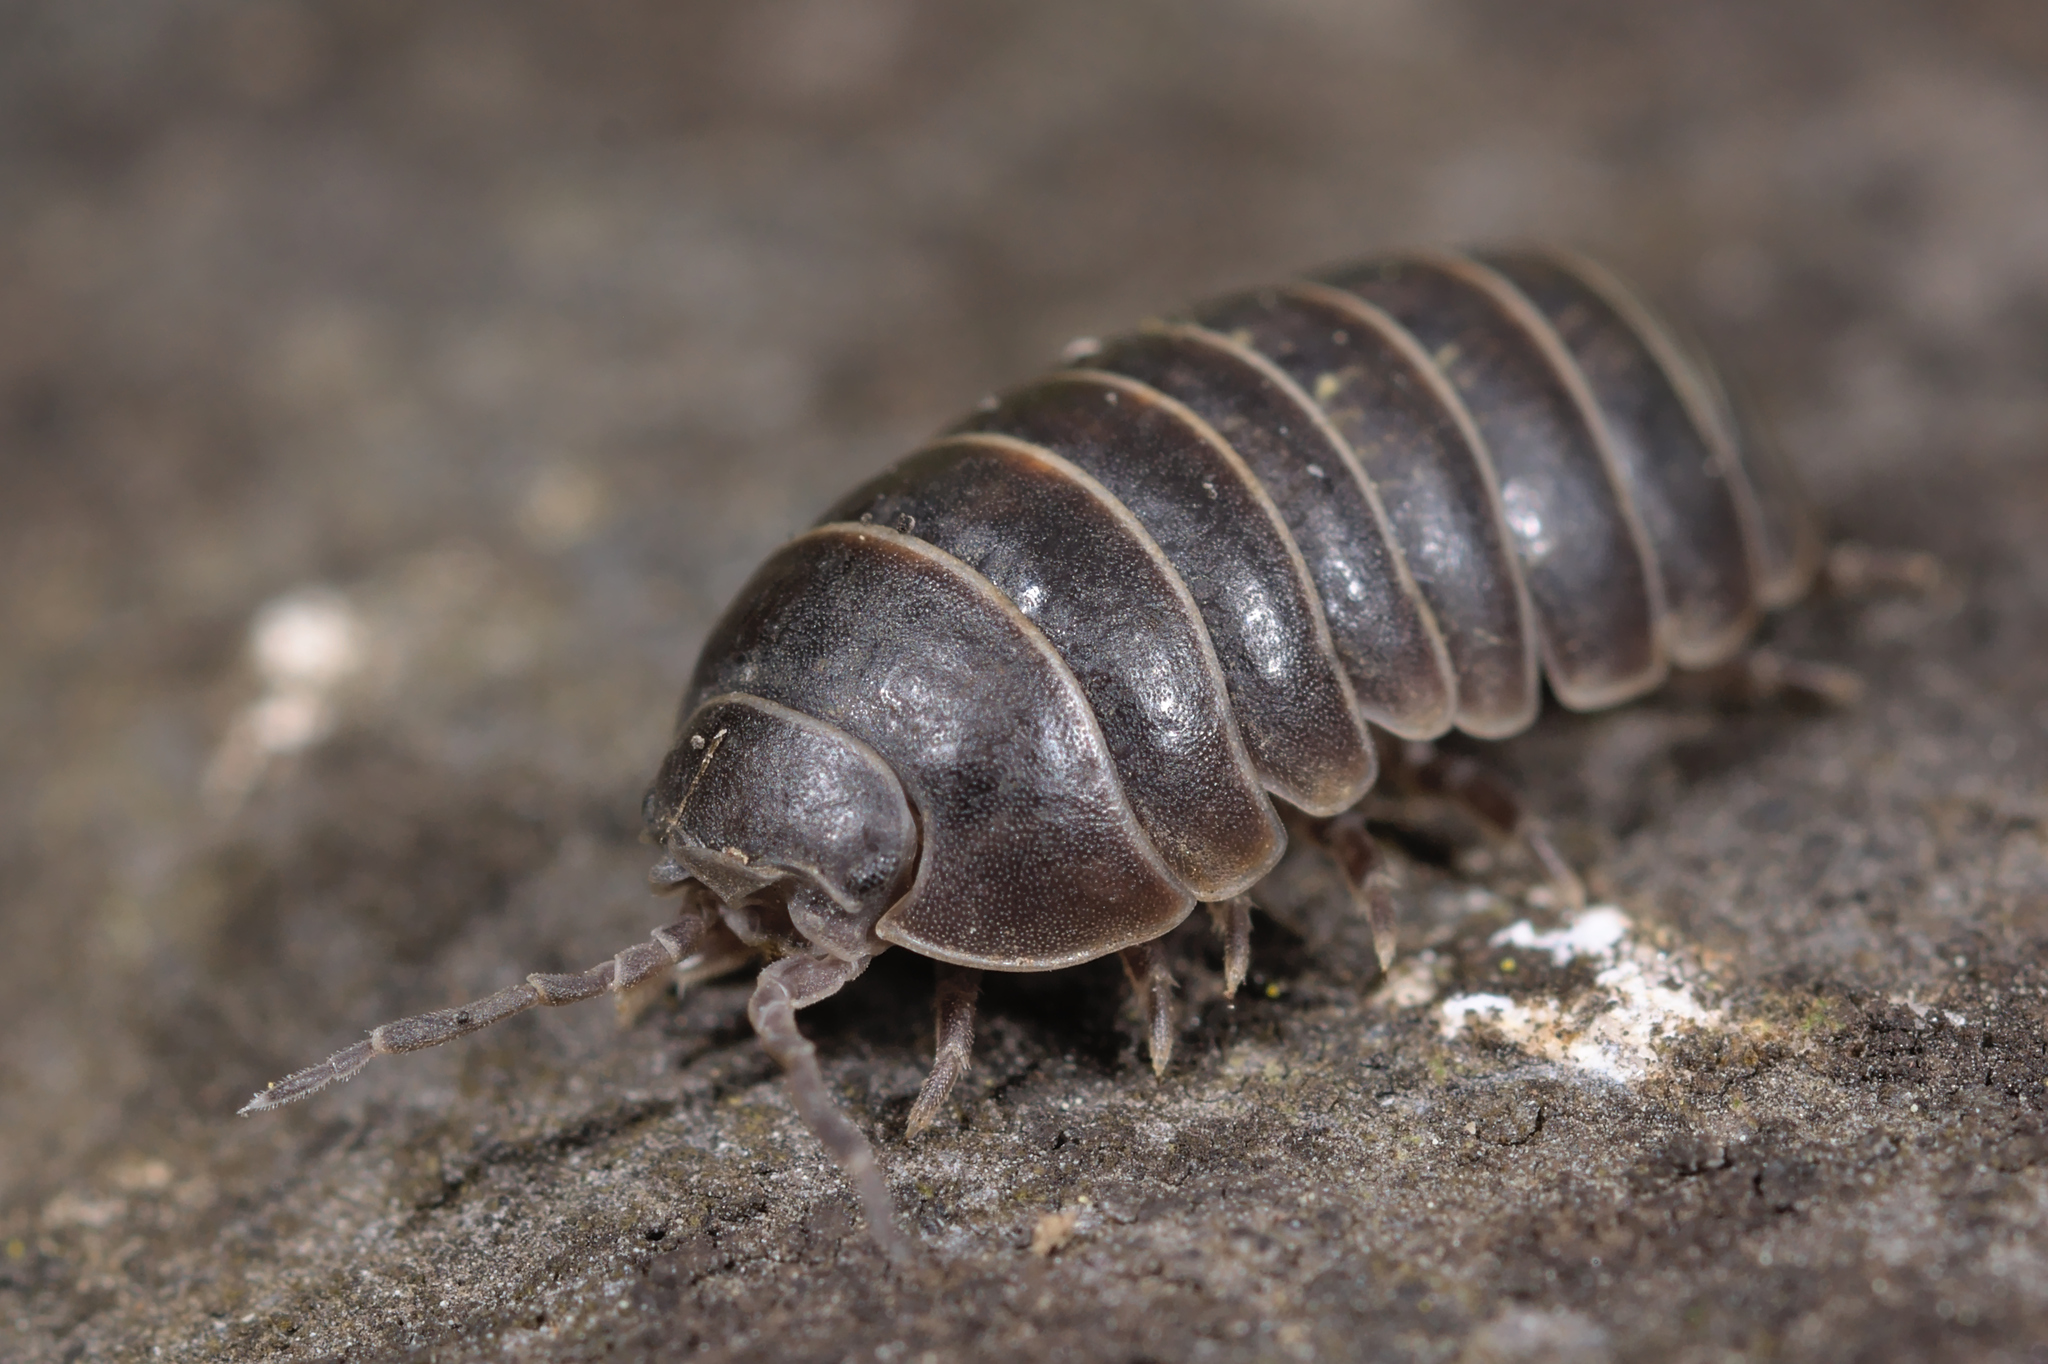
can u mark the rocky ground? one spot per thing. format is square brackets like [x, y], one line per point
[392, 394]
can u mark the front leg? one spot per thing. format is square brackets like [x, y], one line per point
[796, 982]
[959, 986]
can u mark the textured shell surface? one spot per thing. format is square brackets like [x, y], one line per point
[1047, 677]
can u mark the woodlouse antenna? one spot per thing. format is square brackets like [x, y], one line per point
[667, 947]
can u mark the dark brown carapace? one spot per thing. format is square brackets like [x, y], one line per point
[1029, 696]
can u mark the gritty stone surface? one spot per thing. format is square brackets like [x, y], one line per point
[393, 394]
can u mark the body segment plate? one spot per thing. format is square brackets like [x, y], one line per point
[1031, 857]
[1597, 598]
[1226, 540]
[1075, 562]
[1412, 437]
[1685, 482]
[1383, 630]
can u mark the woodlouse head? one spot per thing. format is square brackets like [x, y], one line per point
[761, 803]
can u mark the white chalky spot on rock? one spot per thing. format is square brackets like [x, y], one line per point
[1640, 997]
[1458, 1008]
[1598, 931]
[307, 638]
[1921, 1011]
[304, 644]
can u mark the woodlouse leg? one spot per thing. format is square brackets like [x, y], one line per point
[1859, 570]
[1762, 675]
[1232, 919]
[719, 952]
[1152, 980]
[625, 970]
[958, 986]
[1469, 783]
[1765, 675]
[1357, 856]
[784, 987]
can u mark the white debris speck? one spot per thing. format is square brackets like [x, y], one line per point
[305, 639]
[1054, 1230]
[304, 645]
[1639, 997]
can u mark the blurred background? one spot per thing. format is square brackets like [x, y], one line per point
[391, 395]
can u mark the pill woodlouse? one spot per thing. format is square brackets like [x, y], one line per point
[1029, 696]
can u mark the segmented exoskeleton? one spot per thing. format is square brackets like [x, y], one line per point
[1030, 695]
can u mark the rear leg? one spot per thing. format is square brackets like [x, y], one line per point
[1482, 792]
[793, 983]
[1363, 867]
[1416, 769]
[1857, 570]
[1761, 676]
